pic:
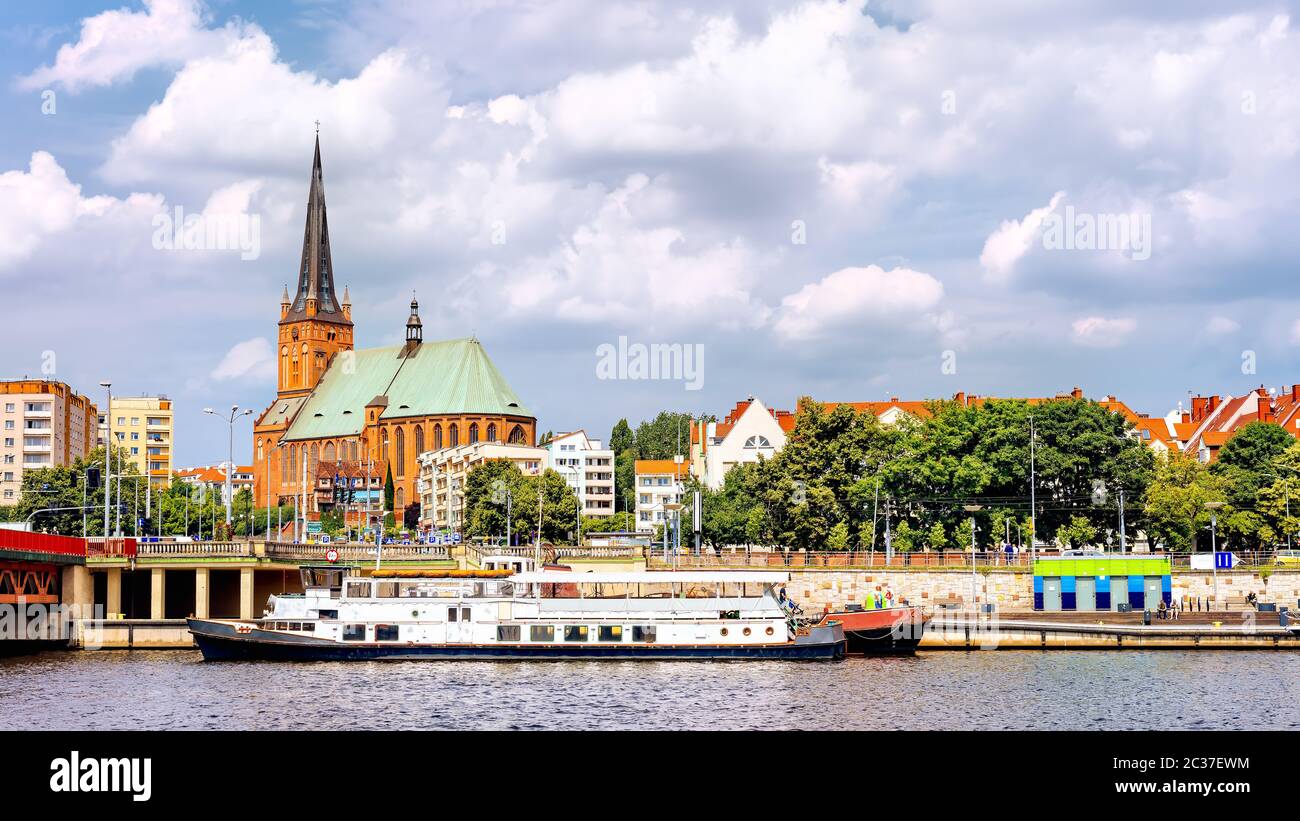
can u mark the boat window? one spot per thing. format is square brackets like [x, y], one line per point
[385, 632]
[575, 632]
[644, 632]
[358, 590]
[354, 632]
[309, 627]
[508, 632]
[329, 614]
[295, 625]
[610, 632]
[541, 632]
[386, 590]
[464, 614]
[451, 613]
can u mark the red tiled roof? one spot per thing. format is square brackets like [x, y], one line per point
[660, 466]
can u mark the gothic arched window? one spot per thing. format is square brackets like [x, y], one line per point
[453, 435]
[401, 452]
[437, 437]
[492, 432]
[517, 435]
[383, 446]
[419, 440]
[473, 432]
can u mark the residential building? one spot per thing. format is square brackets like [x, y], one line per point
[443, 474]
[381, 405]
[213, 479]
[43, 424]
[1213, 420]
[142, 426]
[659, 482]
[587, 467]
[751, 430]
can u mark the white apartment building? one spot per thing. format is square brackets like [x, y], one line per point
[213, 478]
[587, 468]
[441, 484]
[749, 431]
[42, 424]
[658, 483]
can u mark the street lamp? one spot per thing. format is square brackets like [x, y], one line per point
[670, 508]
[108, 445]
[234, 414]
[1213, 507]
[972, 509]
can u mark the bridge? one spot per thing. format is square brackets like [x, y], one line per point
[39, 572]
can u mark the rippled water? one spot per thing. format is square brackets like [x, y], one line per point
[947, 690]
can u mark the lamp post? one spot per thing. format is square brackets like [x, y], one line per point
[1033, 506]
[670, 508]
[230, 470]
[1213, 507]
[269, 458]
[108, 446]
[972, 509]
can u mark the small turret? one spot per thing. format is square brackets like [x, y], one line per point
[347, 304]
[284, 302]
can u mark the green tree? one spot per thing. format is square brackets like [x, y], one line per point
[1078, 532]
[904, 538]
[1174, 509]
[663, 437]
[620, 438]
[936, 538]
[838, 539]
[389, 490]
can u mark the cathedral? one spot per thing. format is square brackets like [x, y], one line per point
[341, 413]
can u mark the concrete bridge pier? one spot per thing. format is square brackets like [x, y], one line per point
[201, 592]
[113, 591]
[246, 592]
[158, 593]
[78, 590]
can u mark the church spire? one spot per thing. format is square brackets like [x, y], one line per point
[314, 296]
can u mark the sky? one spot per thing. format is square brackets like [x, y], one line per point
[849, 201]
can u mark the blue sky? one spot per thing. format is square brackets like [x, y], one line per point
[844, 201]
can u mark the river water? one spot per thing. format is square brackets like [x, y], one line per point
[982, 690]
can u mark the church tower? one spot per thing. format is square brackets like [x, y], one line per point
[314, 325]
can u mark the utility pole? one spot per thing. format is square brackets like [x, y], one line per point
[1122, 540]
[1033, 505]
[108, 447]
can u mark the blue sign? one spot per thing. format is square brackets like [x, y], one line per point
[1223, 560]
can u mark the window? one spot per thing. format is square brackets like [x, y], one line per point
[329, 614]
[437, 437]
[645, 633]
[401, 454]
[541, 632]
[464, 614]
[610, 632]
[451, 614]
[473, 433]
[516, 435]
[135, 436]
[491, 432]
[9, 407]
[9, 424]
[354, 632]
[385, 632]
[121, 421]
[508, 632]
[358, 590]
[453, 435]
[575, 632]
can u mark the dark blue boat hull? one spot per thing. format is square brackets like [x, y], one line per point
[218, 641]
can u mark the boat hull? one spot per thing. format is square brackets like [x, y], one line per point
[892, 631]
[223, 641]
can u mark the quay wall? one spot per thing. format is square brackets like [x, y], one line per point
[815, 589]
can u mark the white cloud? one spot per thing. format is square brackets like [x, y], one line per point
[1295, 332]
[114, 45]
[1220, 325]
[854, 294]
[251, 359]
[1100, 332]
[42, 202]
[1013, 239]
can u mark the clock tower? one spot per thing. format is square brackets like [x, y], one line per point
[314, 324]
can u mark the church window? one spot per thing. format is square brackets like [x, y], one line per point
[383, 446]
[492, 432]
[517, 435]
[473, 433]
[329, 452]
[437, 437]
[401, 452]
[419, 440]
[453, 435]
[400, 499]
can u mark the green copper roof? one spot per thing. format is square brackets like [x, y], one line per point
[450, 377]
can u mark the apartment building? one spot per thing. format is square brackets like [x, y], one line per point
[43, 424]
[142, 427]
[658, 484]
[441, 483]
[587, 467]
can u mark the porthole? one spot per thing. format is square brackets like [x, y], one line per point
[770, 631]
[724, 631]
[747, 631]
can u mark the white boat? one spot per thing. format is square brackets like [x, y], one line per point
[528, 614]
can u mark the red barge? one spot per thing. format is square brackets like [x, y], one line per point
[889, 631]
